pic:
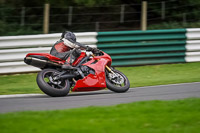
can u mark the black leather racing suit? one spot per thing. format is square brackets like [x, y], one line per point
[64, 49]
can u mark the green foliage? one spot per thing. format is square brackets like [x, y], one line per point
[95, 2]
[179, 116]
[173, 25]
[16, 29]
[87, 12]
[3, 26]
[59, 3]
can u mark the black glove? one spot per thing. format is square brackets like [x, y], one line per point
[89, 48]
[95, 51]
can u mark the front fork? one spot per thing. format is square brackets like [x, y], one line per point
[110, 70]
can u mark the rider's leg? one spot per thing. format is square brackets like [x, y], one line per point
[74, 55]
[71, 58]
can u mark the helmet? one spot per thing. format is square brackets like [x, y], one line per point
[69, 36]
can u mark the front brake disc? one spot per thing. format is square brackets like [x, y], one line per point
[116, 78]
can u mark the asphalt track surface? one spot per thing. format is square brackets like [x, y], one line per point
[98, 98]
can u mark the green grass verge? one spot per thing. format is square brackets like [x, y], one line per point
[163, 74]
[180, 116]
[138, 76]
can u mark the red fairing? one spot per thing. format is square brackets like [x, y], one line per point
[75, 63]
[49, 56]
[97, 81]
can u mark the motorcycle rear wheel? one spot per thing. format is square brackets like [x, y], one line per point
[117, 87]
[54, 88]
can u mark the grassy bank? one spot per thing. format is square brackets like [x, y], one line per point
[180, 116]
[138, 76]
[163, 74]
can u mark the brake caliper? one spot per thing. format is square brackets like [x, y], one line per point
[116, 78]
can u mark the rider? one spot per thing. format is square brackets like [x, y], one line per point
[66, 49]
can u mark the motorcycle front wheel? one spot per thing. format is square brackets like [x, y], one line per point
[117, 82]
[51, 87]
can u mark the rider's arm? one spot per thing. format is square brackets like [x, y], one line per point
[84, 46]
[81, 45]
[74, 44]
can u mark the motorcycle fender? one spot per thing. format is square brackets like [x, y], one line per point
[93, 82]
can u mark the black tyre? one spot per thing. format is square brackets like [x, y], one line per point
[118, 82]
[54, 88]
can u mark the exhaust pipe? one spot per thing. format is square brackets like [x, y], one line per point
[40, 63]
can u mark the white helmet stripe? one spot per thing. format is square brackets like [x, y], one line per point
[69, 44]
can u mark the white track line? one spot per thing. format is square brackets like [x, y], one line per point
[20, 95]
[167, 85]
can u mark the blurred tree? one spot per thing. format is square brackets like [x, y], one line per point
[176, 11]
[96, 2]
[36, 3]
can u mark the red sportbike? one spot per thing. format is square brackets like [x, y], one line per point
[90, 72]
